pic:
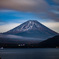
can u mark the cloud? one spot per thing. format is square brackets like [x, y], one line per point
[52, 25]
[24, 5]
[56, 1]
[35, 6]
[6, 10]
[2, 23]
[56, 12]
[7, 27]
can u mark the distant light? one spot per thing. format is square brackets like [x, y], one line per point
[21, 45]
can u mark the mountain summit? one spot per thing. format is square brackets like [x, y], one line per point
[33, 29]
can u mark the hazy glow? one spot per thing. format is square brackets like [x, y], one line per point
[7, 27]
[52, 25]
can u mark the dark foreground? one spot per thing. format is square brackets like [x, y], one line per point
[29, 53]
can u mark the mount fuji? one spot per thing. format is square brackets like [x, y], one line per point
[32, 29]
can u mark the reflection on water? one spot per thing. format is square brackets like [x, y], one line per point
[30, 53]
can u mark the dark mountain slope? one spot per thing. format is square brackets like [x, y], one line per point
[50, 43]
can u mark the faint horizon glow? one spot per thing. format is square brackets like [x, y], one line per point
[7, 27]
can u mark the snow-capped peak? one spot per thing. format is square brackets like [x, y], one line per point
[31, 24]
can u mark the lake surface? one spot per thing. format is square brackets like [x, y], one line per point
[30, 53]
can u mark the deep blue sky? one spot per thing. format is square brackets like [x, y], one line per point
[19, 10]
[13, 16]
[16, 16]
